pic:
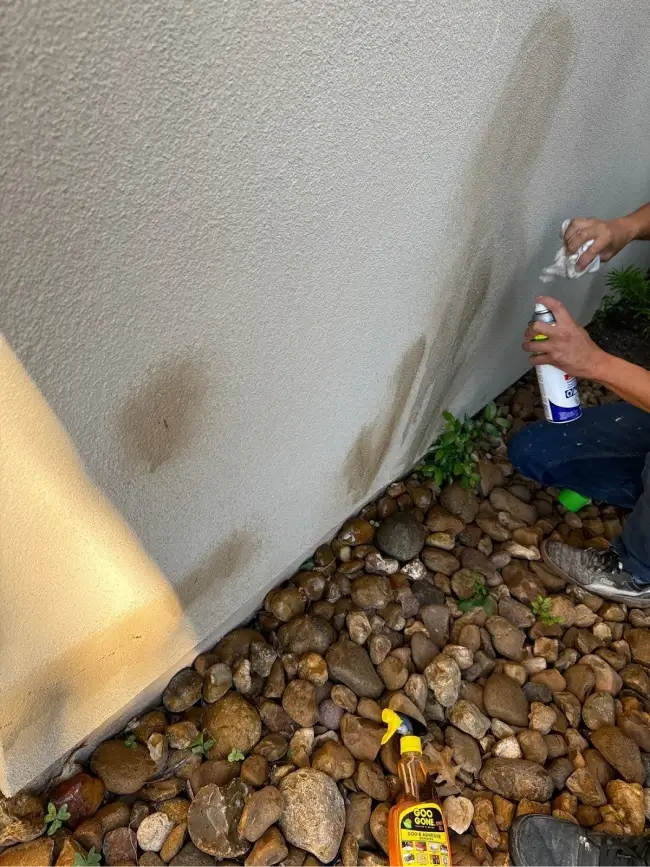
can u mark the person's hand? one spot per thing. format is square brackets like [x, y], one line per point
[568, 347]
[609, 237]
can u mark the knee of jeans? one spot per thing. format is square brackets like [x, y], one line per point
[522, 453]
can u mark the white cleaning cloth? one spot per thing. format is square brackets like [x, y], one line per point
[566, 265]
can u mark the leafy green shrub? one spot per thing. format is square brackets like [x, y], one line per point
[454, 454]
[54, 818]
[628, 293]
[480, 599]
[541, 608]
[202, 745]
[92, 859]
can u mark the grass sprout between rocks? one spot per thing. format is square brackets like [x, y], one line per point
[432, 600]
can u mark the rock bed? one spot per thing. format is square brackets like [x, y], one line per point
[267, 751]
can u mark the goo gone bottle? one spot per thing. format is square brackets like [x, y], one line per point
[560, 397]
[417, 832]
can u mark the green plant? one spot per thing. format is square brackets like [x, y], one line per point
[54, 818]
[307, 566]
[236, 755]
[480, 598]
[92, 859]
[628, 291]
[541, 608]
[130, 742]
[202, 745]
[454, 454]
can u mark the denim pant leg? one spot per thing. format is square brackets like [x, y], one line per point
[603, 456]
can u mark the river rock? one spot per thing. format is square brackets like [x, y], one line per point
[233, 723]
[598, 711]
[443, 679]
[620, 751]
[350, 664]
[262, 810]
[436, 619]
[502, 500]
[183, 690]
[122, 769]
[153, 831]
[299, 701]
[306, 634]
[506, 638]
[586, 787]
[639, 641]
[213, 818]
[468, 718]
[190, 856]
[504, 699]
[21, 819]
[120, 847]
[400, 536]
[464, 749]
[82, 794]
[441, 561]
[37, 853]
[516, 779]
[269, 849]
[460, 501]
[314, 813]
[361, 736]
[458, 812]
[628, 798]
[334, 759]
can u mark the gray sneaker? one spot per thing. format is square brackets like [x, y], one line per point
[536, 840]
[599, 572]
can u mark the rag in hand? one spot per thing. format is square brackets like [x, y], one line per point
[566, 265]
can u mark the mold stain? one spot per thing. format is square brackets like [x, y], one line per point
[163, 415]
[481, 284]
[229, 558]
[373, 442]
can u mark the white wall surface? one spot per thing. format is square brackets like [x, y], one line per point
[251, 250]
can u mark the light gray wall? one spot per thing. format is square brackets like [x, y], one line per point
[251, 250]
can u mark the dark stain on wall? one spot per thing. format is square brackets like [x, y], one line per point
[494, 203]
[374, 440]
[229, 558]
[163, 415]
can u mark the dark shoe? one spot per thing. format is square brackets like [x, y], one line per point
[599, 572]
[536, 840]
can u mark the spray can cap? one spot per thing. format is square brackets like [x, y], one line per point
[541, 308]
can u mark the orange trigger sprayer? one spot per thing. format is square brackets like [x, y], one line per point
[417, 831]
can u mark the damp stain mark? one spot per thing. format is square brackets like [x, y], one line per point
[231, 556]
[481, 284]
[374, 440]
[163, 415]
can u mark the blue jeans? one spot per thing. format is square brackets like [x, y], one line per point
[603, 455]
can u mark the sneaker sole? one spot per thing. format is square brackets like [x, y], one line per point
[609, 595]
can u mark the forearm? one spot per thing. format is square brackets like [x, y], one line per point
[627, 380]
[637, 224]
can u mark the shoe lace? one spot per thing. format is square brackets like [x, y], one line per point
[624, 851]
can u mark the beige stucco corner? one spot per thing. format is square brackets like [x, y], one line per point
[87, 619]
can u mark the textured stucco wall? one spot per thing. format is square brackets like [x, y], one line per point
[251, 250]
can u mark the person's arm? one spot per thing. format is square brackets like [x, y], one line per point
[570, 348]
[609, 236]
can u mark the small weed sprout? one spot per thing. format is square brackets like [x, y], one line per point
[92, 859]
[236, 755]
[541, 608]
[480, 598]
[202, 745]
[54, 818]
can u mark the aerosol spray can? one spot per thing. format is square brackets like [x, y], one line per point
[560, 396]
